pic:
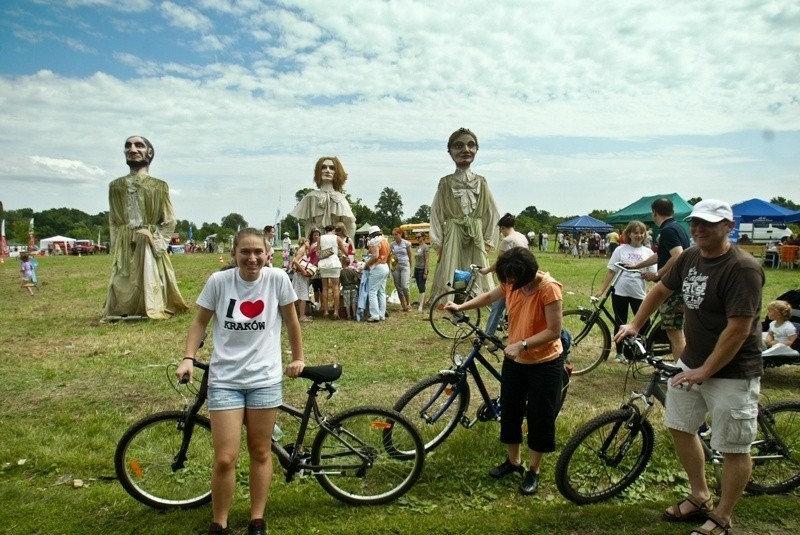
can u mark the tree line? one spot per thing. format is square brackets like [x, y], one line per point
[387, 213]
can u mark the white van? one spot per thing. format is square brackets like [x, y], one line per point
[763, 231]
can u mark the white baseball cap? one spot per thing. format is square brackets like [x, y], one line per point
[374, 229]
[711, 210]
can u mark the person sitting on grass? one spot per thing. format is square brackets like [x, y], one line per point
[781, 330]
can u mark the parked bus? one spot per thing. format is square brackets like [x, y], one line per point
[414, 230]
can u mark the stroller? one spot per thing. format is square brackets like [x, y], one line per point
[784, 355]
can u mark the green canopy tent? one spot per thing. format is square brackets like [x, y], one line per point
[641, 211]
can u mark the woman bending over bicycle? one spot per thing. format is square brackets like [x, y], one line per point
[531, 372]
[631, 289]
[248, 305]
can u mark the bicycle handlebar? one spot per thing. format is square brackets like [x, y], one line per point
[623, 267]
[637, 346]
[460, 317]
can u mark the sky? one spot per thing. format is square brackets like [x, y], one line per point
[577, 105]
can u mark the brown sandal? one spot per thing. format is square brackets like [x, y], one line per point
[720, 527]
[701, 513]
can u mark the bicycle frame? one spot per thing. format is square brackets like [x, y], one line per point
[469, 367]
[292, 461]
[654, 389]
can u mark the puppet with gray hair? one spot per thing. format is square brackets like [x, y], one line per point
[141, 222]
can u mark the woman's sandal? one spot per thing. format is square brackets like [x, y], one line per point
[720, 527]
[700, 513]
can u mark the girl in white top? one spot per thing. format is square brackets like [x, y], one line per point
[781, 330]
[330, 267]
[248, 303]
[630, 289]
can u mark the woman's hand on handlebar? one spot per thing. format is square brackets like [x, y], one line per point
[185, 371]
[450, 306]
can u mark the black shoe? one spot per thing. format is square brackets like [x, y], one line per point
[217, 529]
[530, 483]
[505, 468]
[257, 527]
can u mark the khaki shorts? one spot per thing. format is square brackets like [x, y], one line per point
[671, 311]
[732, 404]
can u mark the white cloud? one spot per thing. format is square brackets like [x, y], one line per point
[185, 17]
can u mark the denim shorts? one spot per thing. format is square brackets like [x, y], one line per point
[223, 399]
[732, 404]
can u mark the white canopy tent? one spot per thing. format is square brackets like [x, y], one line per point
[62, 241]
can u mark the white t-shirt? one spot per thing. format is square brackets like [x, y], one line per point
[631, 284]
[247, 327]
[781, 334]
[514, 239]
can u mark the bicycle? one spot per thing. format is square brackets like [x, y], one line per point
[437, 404]
[440, 318]
[364, 455]
[608, 453]
[592, 337]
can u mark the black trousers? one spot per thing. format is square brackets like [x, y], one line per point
[531, 391]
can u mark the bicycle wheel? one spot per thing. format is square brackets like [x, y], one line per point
[145, 456]
[591, 342]
[776, 455]
[440, 318]
[604, 457]
[422, 403]
[358, 465]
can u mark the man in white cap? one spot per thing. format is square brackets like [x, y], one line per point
[721, 362]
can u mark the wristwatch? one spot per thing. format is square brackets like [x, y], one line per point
[524, 344]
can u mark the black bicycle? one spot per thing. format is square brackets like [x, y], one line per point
[439, 318]
[439, 403]
[364, 455]
[608, 453]
[592, 337]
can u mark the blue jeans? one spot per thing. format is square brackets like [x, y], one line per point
[378, 275]
[498, 309]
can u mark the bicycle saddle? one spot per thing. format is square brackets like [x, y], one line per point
[322, 374]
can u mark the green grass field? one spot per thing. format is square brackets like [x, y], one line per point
[70, 386]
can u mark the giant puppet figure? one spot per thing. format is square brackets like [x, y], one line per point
[326, 205]
[464, 216]
[141, 222]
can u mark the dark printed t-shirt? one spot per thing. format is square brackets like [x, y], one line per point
[714, 290]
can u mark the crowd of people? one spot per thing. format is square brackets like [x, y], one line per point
[709, 296]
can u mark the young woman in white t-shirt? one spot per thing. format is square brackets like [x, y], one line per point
[248, 305]
[631, 288]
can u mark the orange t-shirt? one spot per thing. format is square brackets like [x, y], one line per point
[527, 317]
[383, 252]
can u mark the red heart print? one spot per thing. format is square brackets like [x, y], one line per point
[252, 309]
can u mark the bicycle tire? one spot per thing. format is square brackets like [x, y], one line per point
[780, 475]
[145, 454]
[434, 391]
[591, 343]
[440, 318]
[583, 476]
[359, 465]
